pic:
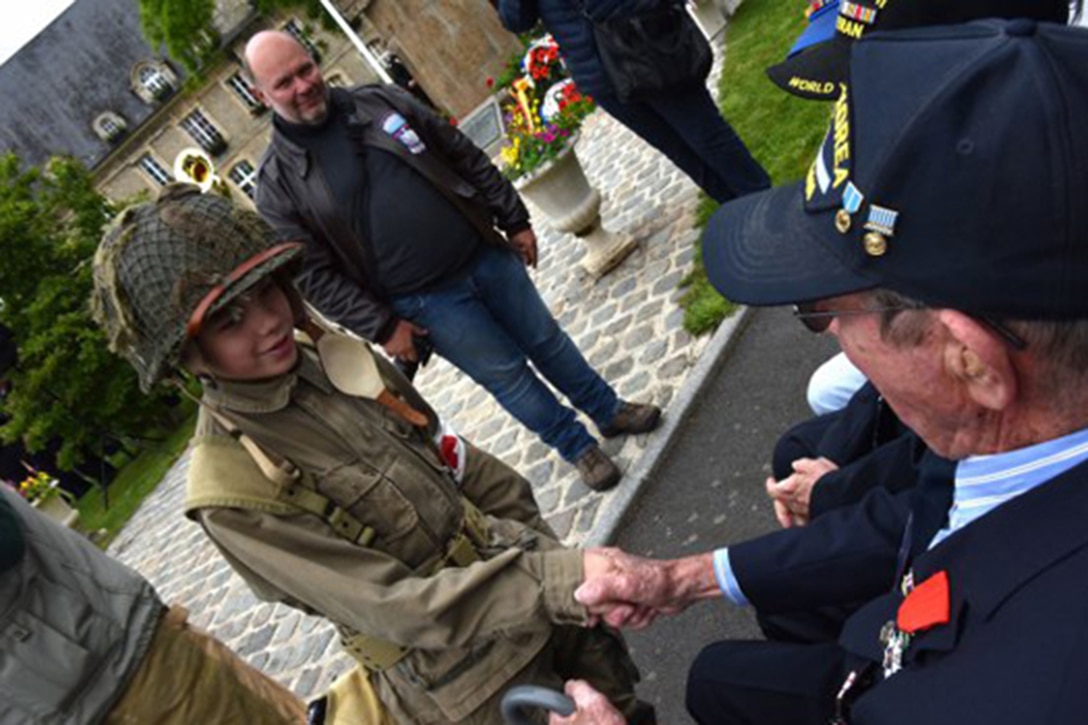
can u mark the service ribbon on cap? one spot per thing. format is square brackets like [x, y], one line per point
[857, 12]
[882, 220]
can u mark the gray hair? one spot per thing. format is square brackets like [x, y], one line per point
[1059, 346]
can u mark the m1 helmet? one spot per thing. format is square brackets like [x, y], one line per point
[163, 267]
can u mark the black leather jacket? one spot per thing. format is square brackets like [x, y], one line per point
[293, 196]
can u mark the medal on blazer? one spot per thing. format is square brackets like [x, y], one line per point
[924, 606]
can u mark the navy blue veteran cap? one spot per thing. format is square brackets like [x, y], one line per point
[955, 171]
[817, 72]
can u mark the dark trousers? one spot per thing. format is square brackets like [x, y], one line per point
[764, 683]
[688, 128]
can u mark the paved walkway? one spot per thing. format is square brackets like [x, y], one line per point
[629, 326]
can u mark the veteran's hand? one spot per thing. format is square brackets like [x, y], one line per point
[616, 587]
[792, 495]
[631, 591]
[593, 707]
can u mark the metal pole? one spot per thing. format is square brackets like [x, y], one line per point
[368, 56]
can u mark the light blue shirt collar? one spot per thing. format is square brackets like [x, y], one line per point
[985, 482]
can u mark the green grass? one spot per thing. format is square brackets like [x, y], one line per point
[132, 484]
[782, 132]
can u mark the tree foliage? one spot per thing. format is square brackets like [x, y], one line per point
[183, 27]
[68, 387]
[186, 29]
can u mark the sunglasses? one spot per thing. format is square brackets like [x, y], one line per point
[819, 320]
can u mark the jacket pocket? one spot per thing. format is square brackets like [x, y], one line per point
[41, 669]
[459, 680]
[373, 498]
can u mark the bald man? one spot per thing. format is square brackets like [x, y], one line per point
[413, 237]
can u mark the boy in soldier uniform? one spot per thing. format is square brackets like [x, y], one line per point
[329, 484]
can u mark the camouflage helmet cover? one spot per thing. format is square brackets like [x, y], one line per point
[159, 260]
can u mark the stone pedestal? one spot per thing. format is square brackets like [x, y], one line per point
[727, 7]
[56, 508]
[560, 190]
[711, 14]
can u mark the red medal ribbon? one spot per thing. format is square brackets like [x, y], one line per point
[927, 605]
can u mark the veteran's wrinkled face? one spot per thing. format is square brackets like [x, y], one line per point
[912, 377]
[250, 339]
[288, 80]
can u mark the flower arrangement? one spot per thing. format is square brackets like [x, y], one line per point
[542, 108]
[39, 486]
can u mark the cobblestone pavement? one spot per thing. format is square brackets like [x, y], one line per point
[629, 326]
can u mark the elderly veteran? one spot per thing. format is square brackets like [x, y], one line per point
[950, 259]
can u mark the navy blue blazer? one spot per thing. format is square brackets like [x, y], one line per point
[848, 554]
[1015, 648]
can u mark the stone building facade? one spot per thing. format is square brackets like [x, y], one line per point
[90, 86]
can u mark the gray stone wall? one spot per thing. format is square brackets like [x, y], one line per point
[451, 46]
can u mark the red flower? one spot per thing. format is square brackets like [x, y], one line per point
[490, 82]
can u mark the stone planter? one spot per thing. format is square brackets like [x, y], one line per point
[560, 190]
[56, 508]
[711, 15]
[727, 7]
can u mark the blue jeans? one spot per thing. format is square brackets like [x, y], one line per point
[491, 323]
[688, 128]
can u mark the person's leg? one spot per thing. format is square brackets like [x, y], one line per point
[757, 683]
[463, 330]
[728, 164]
[512, 298]
[800, 441]
[187, 676]
[687, 127]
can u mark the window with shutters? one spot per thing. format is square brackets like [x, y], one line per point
[154, 82]
[155, 170]
[243, 91]
[204, 132]
[109, 127]
[244, 177]
[298, 30]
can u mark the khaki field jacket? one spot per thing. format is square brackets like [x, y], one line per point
[468, 629]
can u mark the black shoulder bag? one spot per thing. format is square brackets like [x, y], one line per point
[652, 51]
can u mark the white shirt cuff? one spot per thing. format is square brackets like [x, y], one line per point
[727, 581]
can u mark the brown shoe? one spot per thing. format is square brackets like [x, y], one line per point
[597, 470]
[632, 418]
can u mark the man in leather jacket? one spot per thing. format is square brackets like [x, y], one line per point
[412, 234]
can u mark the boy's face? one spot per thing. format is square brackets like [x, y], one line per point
[252, 338]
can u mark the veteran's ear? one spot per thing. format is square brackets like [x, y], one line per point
[977, 356]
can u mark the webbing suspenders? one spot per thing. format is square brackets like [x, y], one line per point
[291, 489]
[463, 549]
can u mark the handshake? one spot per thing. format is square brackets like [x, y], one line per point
[627, 591]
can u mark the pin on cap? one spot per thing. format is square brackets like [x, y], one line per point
[852, 199]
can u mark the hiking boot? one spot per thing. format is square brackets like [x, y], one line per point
[632, 418]
[597, 470]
